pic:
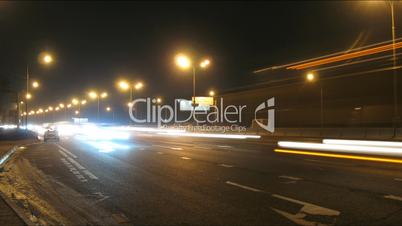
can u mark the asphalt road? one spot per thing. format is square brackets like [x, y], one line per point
[197, 181]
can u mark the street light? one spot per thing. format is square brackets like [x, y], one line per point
[74, 101]
[184, 62]
[124, 86]
[311, 77]
[211, 93]
[68, 105]
[83, 102]
[28, 96]
[44, 58]
[95, 95]
[35, 84]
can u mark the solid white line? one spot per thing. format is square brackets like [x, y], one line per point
[63, 153]
[67, 151]
[290, 178]
[90, 175]
[243, 186]
[226, 165]
[398, 198]
[185, 158]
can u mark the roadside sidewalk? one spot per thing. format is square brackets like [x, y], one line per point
[7, 214]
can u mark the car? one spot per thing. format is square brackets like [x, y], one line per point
[51, 134]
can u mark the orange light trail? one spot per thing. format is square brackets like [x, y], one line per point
[356, 157]
[347, 56]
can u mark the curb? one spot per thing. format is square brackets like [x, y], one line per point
[17, 210]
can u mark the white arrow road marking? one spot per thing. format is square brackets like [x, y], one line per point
[243, 186]
[398, 198]
[67, 151]
[307, 209]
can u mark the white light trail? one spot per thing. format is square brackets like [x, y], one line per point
[372, 150]
[364, 143]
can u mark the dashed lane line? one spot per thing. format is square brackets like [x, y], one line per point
[73, 170]
[185, 158]
[243, 186]
[290, 177]
[67, 151]
[226, 165]
[393, 197]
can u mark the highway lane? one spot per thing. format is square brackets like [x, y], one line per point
[167, 180]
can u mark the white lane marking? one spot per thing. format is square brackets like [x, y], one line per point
[73, 170]
[83, 169]
[290, 177]
[174, 148]
[243, 186]
[101, 197]
[67, 151]
[398, 179]
[224, 146]
[63, 154]
[310, 208]
[160, 153]
[226, 165]
[185, 158]
[393, 197]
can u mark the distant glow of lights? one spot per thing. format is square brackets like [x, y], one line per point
[68, 105]
[373, 150]
[57, 108]
[129, 104]
[211, 93]
[158, 100]
[103, 95]
[183, 61]
[28, 96]
[46, 110]
[76, 112]
[61, 105]
[356, 157]
[83, 102]
[50, 108]
[358, 108]
[22, 102]
[108, 109]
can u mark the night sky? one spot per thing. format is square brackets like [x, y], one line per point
[94, 43]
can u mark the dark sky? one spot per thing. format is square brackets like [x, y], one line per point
[94, 43]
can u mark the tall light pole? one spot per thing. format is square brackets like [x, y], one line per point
[184, 62]
[311, 77]
[46, 59]
[95, 95]
[396, 118]
[131, 86]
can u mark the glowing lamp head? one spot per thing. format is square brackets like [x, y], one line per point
[93, 95]
[205, 63]
[77, 112]
[68, 105]
[28, 96]
[123, 85]
[158, 100]
[211, 93]
[83, 102]
[35, 84]
[310, 77]
[138, 86]
[108, 109]
[74, 101]
[103, 95]
[182, 61]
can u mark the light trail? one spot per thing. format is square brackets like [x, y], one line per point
[356, 157]
[370, 150]
[363, 143]
[211, 135]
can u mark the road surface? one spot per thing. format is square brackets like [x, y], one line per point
[165, 180]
